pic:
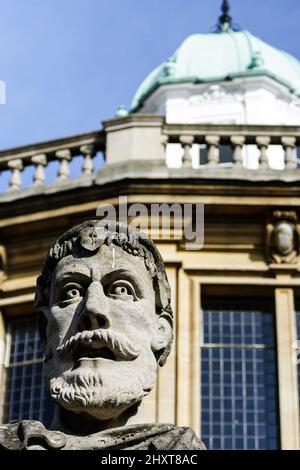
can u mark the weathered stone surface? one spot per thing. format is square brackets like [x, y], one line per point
[106, 325]
[32, 435]
[282, 238]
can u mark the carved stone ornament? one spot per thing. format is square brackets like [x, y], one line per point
[106, 325]
[283, 237]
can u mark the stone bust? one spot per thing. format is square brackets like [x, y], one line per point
[106, 325]
[283, 237]
[284, 242]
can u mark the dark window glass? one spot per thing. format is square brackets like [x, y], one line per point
[203, 155]
[239, 371]
[225, 152]
[298, 156]
[26, 396]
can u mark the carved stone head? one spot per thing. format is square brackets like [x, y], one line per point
[282, 237]
[106, 318]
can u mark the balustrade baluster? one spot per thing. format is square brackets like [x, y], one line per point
[238, 142]
[213, 150]
[88, 152]
[186, 142]
[15, 181]
[290, 157]
[64, 171]
[40, 161]
[263, 143]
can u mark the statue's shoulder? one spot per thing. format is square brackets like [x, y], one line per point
[153, 437]
[21, 435]
[9, 439]
[173, 437]
[187, 440]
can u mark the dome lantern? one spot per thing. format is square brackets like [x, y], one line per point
[258, 80]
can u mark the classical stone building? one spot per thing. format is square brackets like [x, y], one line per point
[215, 124]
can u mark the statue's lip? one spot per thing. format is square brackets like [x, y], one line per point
[100, 343]
[85, 352]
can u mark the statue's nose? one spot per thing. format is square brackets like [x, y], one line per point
[95, 314]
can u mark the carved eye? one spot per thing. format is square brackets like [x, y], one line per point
[72, 292]
[122, 290]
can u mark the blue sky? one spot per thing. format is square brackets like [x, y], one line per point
[69, 64]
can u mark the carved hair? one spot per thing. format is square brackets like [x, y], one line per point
[86, 239]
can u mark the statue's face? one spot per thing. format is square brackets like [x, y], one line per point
[284, 238]
[102, 333]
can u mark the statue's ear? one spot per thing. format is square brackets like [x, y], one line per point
[163, 335]
[43, 321]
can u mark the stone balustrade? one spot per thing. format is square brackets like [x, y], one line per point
[39, 156]
[148, 137]
[213, 138]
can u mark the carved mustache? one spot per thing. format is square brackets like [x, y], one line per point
[117, 343]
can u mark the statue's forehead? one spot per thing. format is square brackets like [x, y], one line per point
[107, 259]
[284, 227]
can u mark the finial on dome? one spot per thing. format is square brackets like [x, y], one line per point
[122, 111]
[225, 7]
[225, 20]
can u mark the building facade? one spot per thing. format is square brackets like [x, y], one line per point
[217, 125]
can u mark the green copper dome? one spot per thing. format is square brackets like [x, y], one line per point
[204, 58]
